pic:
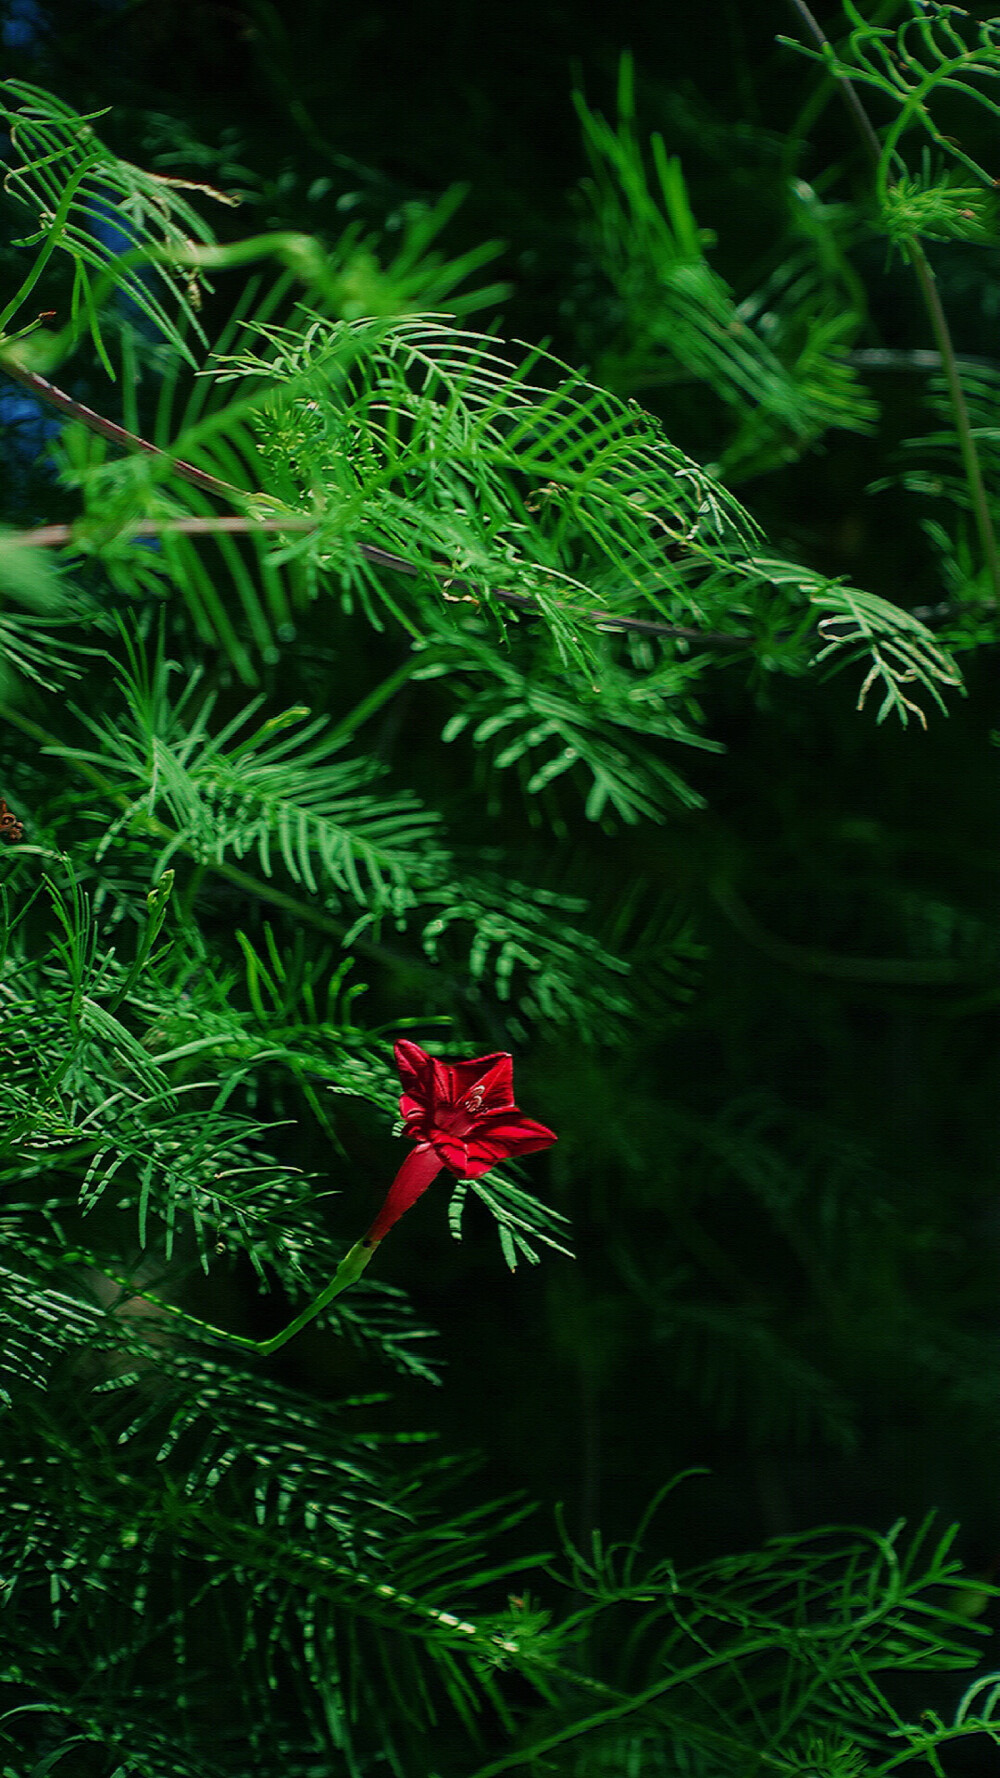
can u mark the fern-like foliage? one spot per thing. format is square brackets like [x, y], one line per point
[783, 1648]
[84, 201]
[270, 792]
[431, 445]
[460, 612]
[902, 654]
[937, 49]
[778, 360]
[189, 1492]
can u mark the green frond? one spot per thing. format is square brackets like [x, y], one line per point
[521, 1220]
[811, 310]
[83, 199]
[340, 1556]
[366, 278]
[900, 652]
[594, 734]
[284, 797]
[777, 359]
[934, 207]
[429, 444]
[551, 973]
[937, 49]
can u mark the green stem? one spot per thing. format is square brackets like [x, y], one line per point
[349, 1270]
[382, 694]
[938, 319]
[960, 411]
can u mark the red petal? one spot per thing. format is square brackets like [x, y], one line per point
[417, 1116]
[490, 1078]
[429, 1084]
[492, 1141]
[416, 1070]
[464, 1110]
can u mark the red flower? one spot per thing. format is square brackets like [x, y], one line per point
[462, 1116]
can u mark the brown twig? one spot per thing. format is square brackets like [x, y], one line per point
[59, 536]
[128, 441]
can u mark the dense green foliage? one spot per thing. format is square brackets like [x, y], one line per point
[365, 674]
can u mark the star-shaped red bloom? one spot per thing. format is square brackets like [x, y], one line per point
[462, 1116]
[465, 1110]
